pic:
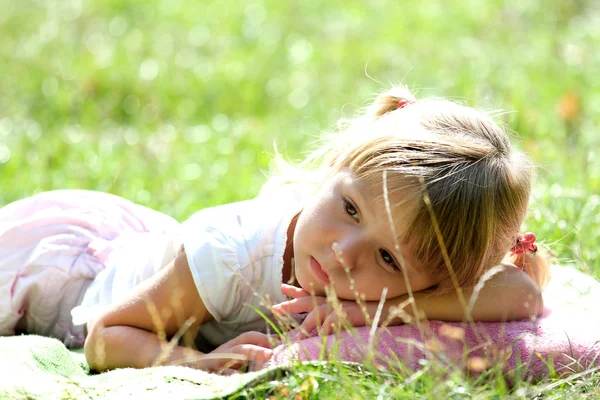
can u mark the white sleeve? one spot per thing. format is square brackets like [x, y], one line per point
[214, 264]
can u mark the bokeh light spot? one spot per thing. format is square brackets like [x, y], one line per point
[191, 171]
[224, 146]
[49, 86]
[131, 136]
[142, 196]
[34, 131]
[4, 153]
[220, 122]
[198, 35]
[149, 70]
[48, 30]
[167, 133]
[255, 13]
[275, 87]
[72, 9]
[117, 26]
[298, 98]
[74, 134]
[131, 104]
[197, 134]
[6, 126]
[300, 51]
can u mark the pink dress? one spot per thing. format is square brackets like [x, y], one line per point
[54, 244]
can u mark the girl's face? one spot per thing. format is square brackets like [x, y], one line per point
[344, 212]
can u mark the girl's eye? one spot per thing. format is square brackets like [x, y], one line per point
[388, 259]
[350, 209]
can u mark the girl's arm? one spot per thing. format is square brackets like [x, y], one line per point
[508, 295]
[135, 332]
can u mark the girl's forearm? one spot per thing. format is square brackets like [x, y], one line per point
[492, 304]
[124, 346]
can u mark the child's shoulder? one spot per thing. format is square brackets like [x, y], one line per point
[245, 228]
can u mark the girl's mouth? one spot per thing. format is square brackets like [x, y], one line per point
[318, 270]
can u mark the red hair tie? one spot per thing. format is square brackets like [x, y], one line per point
[402, 103]
[525, 244]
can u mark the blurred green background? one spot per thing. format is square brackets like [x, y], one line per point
[175, 104]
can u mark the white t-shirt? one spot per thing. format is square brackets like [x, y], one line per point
[235, 253]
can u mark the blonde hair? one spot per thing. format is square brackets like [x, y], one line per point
[471, 189]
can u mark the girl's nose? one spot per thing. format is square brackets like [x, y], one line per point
[345, 251]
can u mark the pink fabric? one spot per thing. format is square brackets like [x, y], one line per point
[568, 335]
[52, 245]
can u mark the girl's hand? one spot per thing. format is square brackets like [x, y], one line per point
[252, 349]
[322, 316]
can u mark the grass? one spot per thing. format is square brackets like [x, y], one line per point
[175, 105]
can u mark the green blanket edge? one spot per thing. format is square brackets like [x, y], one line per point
[39, 367]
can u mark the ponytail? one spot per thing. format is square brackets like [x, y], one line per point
[535, 265]
[389, 101]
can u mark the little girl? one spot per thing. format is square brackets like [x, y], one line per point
[414, 197]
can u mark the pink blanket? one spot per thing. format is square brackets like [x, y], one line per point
[566, 337]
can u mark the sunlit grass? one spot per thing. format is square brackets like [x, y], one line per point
[175, 105]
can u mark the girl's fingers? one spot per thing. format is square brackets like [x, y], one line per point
[322, 319]
[293, 291]
[314, 320]
[330, 324]
[298, 306]
[274, 340]
[313, 323]
[253, 338]
[240, 355]
[295, 334]
[257, 356]
[308, 326]
[229, 371]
